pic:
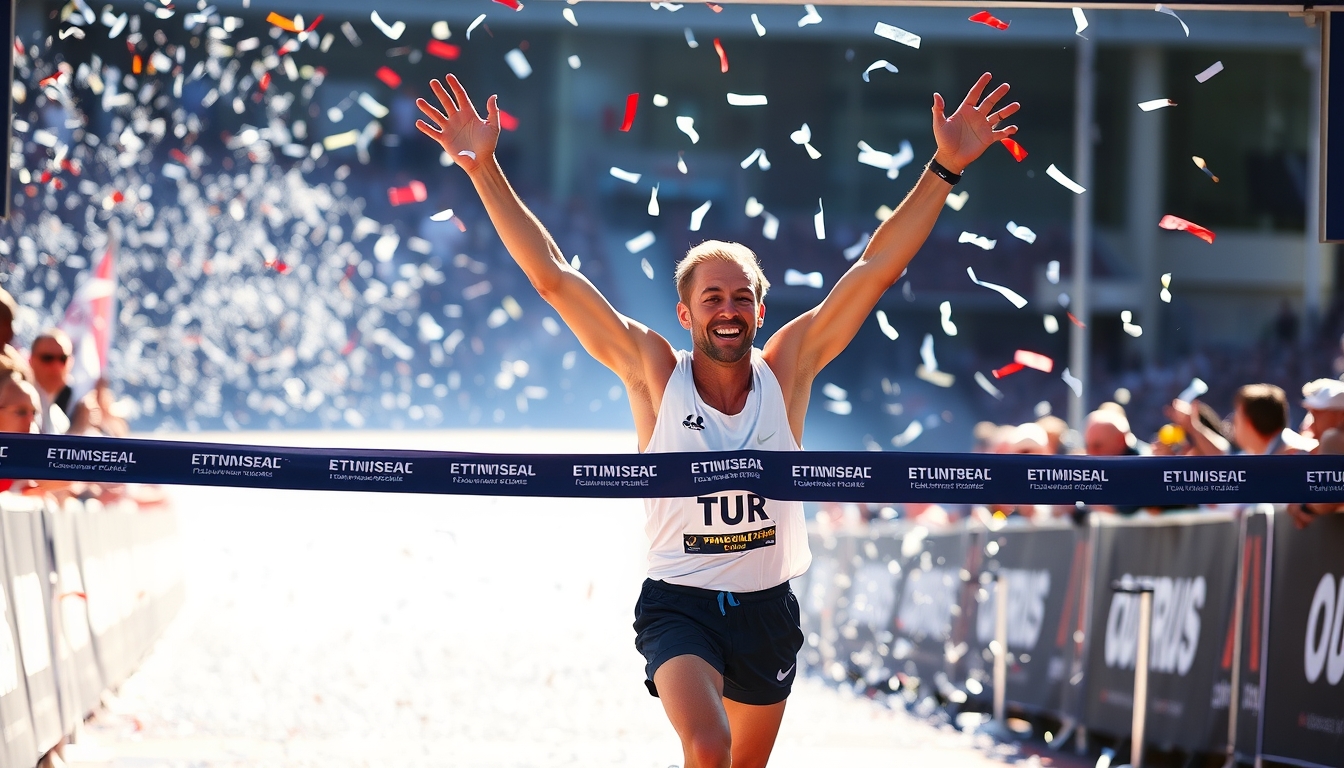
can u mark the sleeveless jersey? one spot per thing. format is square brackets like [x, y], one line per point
[730, 541]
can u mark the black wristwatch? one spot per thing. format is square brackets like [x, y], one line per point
[943, 173]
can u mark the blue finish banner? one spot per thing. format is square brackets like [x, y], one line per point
[793, 476]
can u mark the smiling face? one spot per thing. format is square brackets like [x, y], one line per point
[721, 311]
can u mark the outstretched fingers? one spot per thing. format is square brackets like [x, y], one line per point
[440, 119]
[939, 108]
[1003, 133]
[463, 100]
[449, 106]
[429, 130]
[973, 96]
[1004, 114]
[987, 106]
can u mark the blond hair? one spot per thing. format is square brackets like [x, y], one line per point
[719, 250]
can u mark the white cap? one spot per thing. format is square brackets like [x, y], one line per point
[1323, 395]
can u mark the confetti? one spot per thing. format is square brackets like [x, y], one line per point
[639, 242]
[747, 100]
[757, 156]
[348, 30]
[631, 105]
[811, 17]
[653, 201]
[568, 13]
[681, 163]
[690, 39]
[393, 31]
[819, 221]
[372, 106]
[911, 432]
[958, 200]
[770, 229]
[1007, 370]
[885, 324]
[518, 62]
[1196, 388]
[1164, 9]
[1074, 382]
[574, 62]
[412, 193]
[715, 7]
[754, 208]
[1034, 360]
[1177, 223]
[984, 243]
[1079, 21]
[514, 4]
[1208, 74]
[698, 216]
[945, 317]
[984, 17]
[1203, 166]
[474, 24]
[282, 22]
[926, 355]
[467, 153]
[896, 34]
[1022, 233]
[686, 125]
[988, 386]
[1165, 294]
[810, 279]
[444, 215]
[723, 55]
[1126, 320]
[507, 121]
[892, 163]
[1075, 320]
[756, 22]
[1007, 293]
[879, 64]
[340, 140]
[834, 392]
[74, 32]
[1051, 323]
[442, 50]
[440, 30]
[390, 78]
[1016, 150]
[669, 7]
[1149, 106]
[647, 267]
[1052, 272]
[803, 136]
[623, 175]
[1063, 180]
[659, 100]
[855, 250]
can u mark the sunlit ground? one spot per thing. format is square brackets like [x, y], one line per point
[345, 629]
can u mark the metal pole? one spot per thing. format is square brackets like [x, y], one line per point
[1079, 340]
[1001, 649]
[1141, 678]
[1312, 263]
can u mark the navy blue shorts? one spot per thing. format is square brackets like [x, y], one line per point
[751, 638]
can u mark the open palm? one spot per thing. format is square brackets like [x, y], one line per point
[458, 128]
[970, 130]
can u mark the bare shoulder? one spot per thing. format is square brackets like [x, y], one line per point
[783, 353]
[646, 381]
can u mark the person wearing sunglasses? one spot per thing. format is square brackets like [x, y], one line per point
[52, 359]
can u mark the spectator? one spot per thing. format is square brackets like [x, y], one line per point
[1029, 438]
[1202, 427]
[1259, 416]
[19, 404]
[1108, 434]
[1324, 401]
[52, 358]
[96, 414]
[10, 358]
[1055, 429]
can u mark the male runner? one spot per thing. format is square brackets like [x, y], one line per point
[716, 621]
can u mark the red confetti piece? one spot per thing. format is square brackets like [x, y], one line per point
[1034, 360]
[291, 45]
[715, 7]
[1007, 370]
[442, 50]
[414, 192]
[350, 344]
[507, 122]
[316, 21]
[280, 21]
[46, 176]
[118, 197]
[514, 4]
[265, 81]
[1018, 152]
[281, 267]
[723, 55]
[56, 78]
[1176, 222]
[390, 79]
[631, 104]
[137, 65]
[988, 20]
[1075, 320]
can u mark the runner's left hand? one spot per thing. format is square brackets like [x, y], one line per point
[969, 131]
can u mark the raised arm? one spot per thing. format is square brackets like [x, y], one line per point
[617, 342]
[807, 343]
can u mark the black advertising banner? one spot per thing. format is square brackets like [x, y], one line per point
[1303, 713]
[929, 627]
[1191, 561]
[1254, 613]
[1045, 569]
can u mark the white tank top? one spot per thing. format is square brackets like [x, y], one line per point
[731, 541]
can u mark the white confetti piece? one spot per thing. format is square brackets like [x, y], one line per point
[1164, 9]
[670, 7]
[1051, 323]
[945, 317]
[1007, 293]
[926, 354]
[809, 279]
[1079, 21]
[885, 324]
[1213, 69]
[393, 31]
[687, 126]
[753, 208]
[747, 100]
[879, 64]
[340, 140]
[896, 34]
[440, 30]
[988, 386]
[1021, 233]
[624, 175]
[1074, 382]
[467, 153]
[659, 100]
[640, 242]
[819, 221]
[840, 408]
[681, 164]
[770, 229]
[1164, 295]
[758, 157]
[958, 200]
[891, 163]
[1052, 272]
[909, 435]
[1149, 106]
[568, 13]
[474, 24]
[653, 201]
[646, 266]
[690, 39]
[517, 61]
[574, 61]
[802, 135]
[698, 216]
[979, 241]
[1063, 180]
[812, 17]
[1196, 388]
[834, 392]
[756, 22]
[856, 250]
[444, 215]
[372, 106]
[1129, 327]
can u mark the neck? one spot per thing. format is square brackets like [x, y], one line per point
[1258, 442]
[723, 386]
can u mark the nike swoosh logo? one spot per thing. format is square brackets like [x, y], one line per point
[781, 675]
[760, 439]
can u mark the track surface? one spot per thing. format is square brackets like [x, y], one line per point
[344, 629]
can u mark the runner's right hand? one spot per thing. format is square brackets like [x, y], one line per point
[458, 128]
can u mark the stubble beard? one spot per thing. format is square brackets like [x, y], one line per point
[706, 345]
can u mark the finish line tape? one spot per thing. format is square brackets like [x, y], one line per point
[958, 478]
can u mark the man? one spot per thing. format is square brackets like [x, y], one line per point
[19, 403]
[718, 630]
[1259, 416]
[52, 358]
[9, 356]
[1107, 433]
[1324, 401]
